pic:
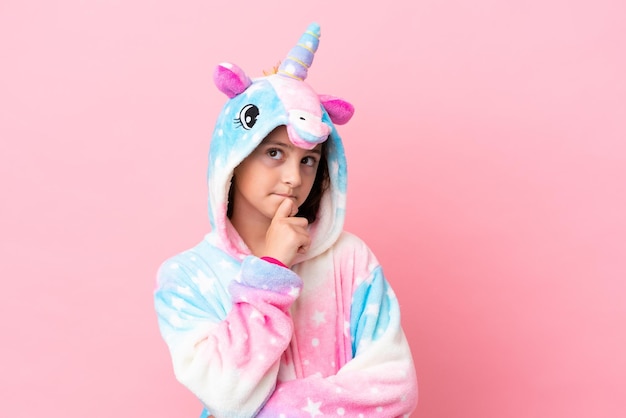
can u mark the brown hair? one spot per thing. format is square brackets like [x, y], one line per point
[311, 205]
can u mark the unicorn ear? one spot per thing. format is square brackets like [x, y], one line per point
[338, 109]
[230, 79]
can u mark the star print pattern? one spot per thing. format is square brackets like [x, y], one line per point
[294, 291]
[205, 283]
[313, 408]
[318, 318]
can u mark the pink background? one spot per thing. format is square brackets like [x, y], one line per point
[487, 171]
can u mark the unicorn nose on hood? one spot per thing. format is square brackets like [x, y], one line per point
[306, 129]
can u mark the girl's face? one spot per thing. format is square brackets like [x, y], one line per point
[276, 170]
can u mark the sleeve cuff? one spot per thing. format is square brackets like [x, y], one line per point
[274, 261]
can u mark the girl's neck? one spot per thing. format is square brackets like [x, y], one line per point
[252, 231]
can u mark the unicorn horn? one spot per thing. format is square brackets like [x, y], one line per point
[300, 57]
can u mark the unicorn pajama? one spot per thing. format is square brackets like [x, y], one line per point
[251, 338]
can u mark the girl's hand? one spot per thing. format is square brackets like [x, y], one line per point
[287, 235]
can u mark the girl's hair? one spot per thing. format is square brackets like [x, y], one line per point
[311, 205]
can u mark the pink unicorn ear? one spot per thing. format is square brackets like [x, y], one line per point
[338, 109]
[230, 79]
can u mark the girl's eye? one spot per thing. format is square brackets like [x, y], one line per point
[275, 153]
[309, 161]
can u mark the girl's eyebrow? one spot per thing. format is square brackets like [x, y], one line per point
[289, 145]
[316, 151]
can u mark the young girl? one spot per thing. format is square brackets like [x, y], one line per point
[278, 312]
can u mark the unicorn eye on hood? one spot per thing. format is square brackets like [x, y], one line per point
[247, 116]
[255, 108]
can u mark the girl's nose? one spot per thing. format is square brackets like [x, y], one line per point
[291, 173]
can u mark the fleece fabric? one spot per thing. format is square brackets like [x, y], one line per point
[252, 338]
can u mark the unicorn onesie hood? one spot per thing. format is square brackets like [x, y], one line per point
[255, 108]
[251, 338]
